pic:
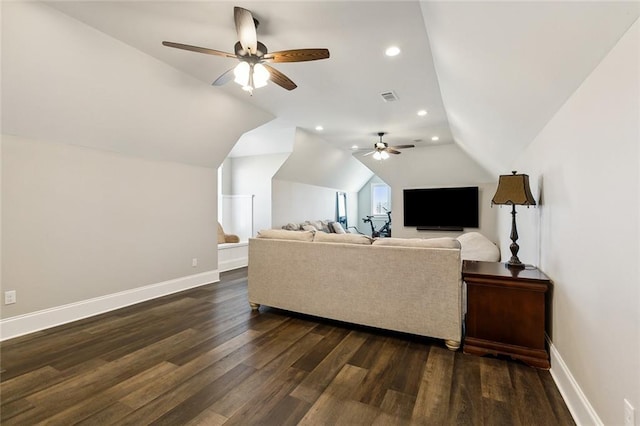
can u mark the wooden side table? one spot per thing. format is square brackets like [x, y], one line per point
[506, 312]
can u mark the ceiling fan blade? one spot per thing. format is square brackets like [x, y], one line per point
[280, 79]
[392, 151]
[297, 55]
[198, 49]
[246, 29]
[402, 146]
[226, 77]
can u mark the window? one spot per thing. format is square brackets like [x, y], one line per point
[380, 199]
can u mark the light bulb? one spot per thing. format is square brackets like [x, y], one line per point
[260, 75]
[377, 155]
[384, 155]
[241, 73]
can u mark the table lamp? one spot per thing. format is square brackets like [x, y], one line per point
[514, 189]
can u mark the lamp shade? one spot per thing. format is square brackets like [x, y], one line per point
[514, 189]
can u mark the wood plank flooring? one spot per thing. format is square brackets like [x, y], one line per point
[202, 357]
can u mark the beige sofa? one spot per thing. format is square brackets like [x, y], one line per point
[412, 286]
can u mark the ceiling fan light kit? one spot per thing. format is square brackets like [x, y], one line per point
[252, 72]
[381, 150]
[251, 76]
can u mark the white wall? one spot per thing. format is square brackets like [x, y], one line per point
[297, 202]
[584, 167]
[79, 223]
[364, 208]
[315, 162]
[435, 167]
[305, 186]
[487, 214]
[252, 175]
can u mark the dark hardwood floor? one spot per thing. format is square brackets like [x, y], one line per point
[202, 357]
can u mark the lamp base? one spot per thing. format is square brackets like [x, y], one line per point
[515, 264]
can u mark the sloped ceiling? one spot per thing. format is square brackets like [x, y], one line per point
[314, 162]
[65, 82]
[505, 68]
[490, 74]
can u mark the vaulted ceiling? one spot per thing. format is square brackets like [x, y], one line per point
[489, 74]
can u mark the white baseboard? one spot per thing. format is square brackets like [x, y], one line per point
[233, 256]
[228, 265]
[47, 318]
[581, 409]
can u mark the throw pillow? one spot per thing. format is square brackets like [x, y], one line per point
[220, 234]
[325, 226]
[291, 226]
[283, 234]
[336, 227]
[476, 246]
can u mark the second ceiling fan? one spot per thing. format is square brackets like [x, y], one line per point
[381, 150]
[253, 71]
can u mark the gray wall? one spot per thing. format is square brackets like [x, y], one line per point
[79, 223]
[584, 168]
[109, 162]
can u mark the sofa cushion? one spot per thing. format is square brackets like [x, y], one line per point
[283, 234]
[476, 246]
[442, 242]
[323, 237]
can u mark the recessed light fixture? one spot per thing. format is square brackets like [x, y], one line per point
[354, 147]
[422, 112]
[392, 51]
[435, 138]
[319, 128]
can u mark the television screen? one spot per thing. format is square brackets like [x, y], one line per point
[441, 208]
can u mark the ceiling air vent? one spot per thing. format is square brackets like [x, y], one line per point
[389, 96]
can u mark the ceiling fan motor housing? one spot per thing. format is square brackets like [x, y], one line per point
[262, 50]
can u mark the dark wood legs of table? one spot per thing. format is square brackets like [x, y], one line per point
[533, 357]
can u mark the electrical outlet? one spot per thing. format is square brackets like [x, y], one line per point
[9, 297]
[194, 262]
[629, 414]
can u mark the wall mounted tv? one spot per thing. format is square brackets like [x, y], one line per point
[447, 209]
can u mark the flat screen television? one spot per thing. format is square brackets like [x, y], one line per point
[441, 208]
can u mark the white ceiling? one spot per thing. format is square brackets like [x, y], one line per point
[490, 74]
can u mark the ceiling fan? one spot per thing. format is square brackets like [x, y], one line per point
[253, 71]
[381, 150]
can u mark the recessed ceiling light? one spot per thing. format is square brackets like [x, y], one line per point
[435, 138]
[392, 51]
[422, 112]
[319, 128]
[354, 147]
